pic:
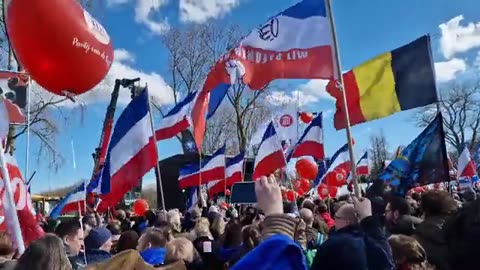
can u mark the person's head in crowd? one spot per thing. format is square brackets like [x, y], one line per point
[469, 195]
[116, 229]
[407, 252]
[173, 217]
[202, 228]
[416, 196]
[99, 239]
[45, 253]
[437, 203]
[251, 237]
[195, 214]
[6, 246]
[233, 234]
[166, 229]
[71, 233]
[320, 225]
[181, 249]
[378, 206]
[288, 207]
[162, 216]
[307, 216]
[335, 206]
[248, 216]
[217, 228]
[321, 207]
[128, 240]
[151, 217]
[151, 238]
[307, 203]
[128, 214]
[121, 215]
[396, 208]
[90, 220]
[346, 216]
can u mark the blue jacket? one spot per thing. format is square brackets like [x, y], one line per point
[154, 256]
[355, 248]
[96, 256]
[276, 252]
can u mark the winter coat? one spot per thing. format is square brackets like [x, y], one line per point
[96, 256]
[432, 238]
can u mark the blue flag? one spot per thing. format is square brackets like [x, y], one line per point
[424, 161]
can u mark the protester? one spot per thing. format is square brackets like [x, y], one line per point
[151, 246]
[6, 252]
[45, 253]
[408, 253]
[398, 218]
[437, 206]
[128, 240]
[98, 245]
[72, 235]
[181, 249]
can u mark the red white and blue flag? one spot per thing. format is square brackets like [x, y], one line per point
[362, 165]
[294, 44]
[234, 174]
[177, 119]
[72, 202]
[211, 169]
[340, 164]
[131, 154]
[270, 154]
[466, 170]
[311, 142]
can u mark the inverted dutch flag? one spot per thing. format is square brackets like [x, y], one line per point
[294, 44]
[465, 167]
[270, 154]
[311, 141]
[131, 154]
[234, 174]
[177, 119]
[212, 169]
[362, 165]
[72, 202]
[340, 162]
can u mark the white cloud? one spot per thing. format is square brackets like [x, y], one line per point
[458, 38]
[311, 92]
[159, 90]
[447, 70]
[145, 11]
[199, 11]
[477, 61]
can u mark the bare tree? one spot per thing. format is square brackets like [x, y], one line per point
[193, 52]
[460, 106]
[378, 152]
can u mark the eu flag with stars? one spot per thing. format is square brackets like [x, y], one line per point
[424, 161]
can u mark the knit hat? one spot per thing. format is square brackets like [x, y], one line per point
[97, 237]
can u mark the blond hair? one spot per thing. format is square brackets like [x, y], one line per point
[180, 249]
[202, 228]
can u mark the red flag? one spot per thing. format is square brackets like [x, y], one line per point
[31, 231]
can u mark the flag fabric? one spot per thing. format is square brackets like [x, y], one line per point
[395, 81]
[31, 230]
[322, 169]
[465, 165]
[131, 154]
[13, 89]
[294, 44]
[424, 161]
[70, 203]
[210, 170]
[362, 165]
[286, 125]
[192, 199]
[9, 114]
[311, 141]
[4, 120]
[270, 154]
[233, 174]
[340, 163]
[177, 119]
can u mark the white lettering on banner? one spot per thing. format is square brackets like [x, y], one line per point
[262, 57]
[88, 48]
[20, 194]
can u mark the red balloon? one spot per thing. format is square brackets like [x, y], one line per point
[322, 191]
[336, 178]
[306, 168]
[300, 191]
[59, 44]
[227, 192]
[304, 184]
[332, 191]
[290, 194]
[306, 117]
[140, 206]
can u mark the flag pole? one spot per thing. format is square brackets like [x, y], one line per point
[158, 176]
[9, 206]
[338, 74]
[27, 147]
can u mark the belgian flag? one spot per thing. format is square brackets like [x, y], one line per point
[395, 81]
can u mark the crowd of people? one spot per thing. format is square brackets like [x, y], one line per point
[432, 230]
